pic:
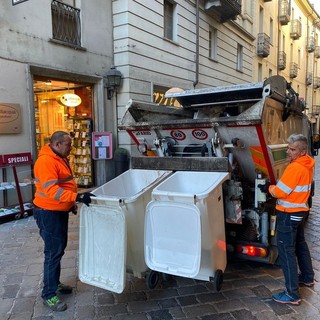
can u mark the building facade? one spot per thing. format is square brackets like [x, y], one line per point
[52, 50]
[193, 44]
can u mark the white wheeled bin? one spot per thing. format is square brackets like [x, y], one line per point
[111, 238]
[184, 228]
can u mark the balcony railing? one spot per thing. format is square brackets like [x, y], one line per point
[284, 12]
[317, 52]
[66, 24]
[263, 45]
[282, 60]
[309, 79]
[223, 10]
[293, 70]
[316, 82]
[311, 44]
[295, 30]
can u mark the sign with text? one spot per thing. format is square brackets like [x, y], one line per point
[14, 2]
[17, 158]
[101, 145]
[10, 118]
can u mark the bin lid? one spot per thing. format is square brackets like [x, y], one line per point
[173, 238]
[102, 247]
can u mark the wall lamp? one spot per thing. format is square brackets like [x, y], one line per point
[113, 80]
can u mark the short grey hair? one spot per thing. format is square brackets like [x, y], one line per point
[58, 136]
[298, 137]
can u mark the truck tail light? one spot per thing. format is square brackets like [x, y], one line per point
[252, 251]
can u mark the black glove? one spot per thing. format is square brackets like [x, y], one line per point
[264, 187]
[85, 198]
[74, 209]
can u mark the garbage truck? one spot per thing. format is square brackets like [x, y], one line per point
[240, 130]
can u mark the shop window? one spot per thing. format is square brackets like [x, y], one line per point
[66, 23]
[159, 96]
[53, 113]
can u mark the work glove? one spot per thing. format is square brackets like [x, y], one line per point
[264, 187]
[84, 198]
[74, 209]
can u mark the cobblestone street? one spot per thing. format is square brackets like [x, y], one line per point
[245, 294]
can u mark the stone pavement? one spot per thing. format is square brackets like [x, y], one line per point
[245, 294]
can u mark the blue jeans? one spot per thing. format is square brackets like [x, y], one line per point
[53, 227]
[293, 250]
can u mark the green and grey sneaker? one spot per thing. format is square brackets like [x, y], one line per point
[55, 304]
[64, 289]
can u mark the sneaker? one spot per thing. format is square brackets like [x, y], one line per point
[64, 289]
[305, 284]
[283, 297]
[55, 304]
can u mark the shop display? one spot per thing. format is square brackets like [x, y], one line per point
[16, 185]
[80, 156]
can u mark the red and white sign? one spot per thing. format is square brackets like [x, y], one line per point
[17, 158]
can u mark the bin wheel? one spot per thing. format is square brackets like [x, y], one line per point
[152, 279]
[166, 276]
[218, 279]
[17, 216]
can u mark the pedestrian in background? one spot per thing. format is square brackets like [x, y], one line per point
[292, 192]
[56, 195]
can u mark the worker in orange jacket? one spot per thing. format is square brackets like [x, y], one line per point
[56, 195]
[292, 192]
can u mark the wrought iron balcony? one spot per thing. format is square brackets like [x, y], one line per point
[317, 52]
[263, 45]
[293, 70]
[309, 79]
[295, 29]
[316, 82]
[66, 24]
[223, 10]
[284, 12]
[282, 60]
[311, 44]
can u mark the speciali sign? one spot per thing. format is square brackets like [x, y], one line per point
[16, 158]
[10, 118]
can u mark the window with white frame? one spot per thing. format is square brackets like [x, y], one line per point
[239, 57]
[213, 43]
[169, 20]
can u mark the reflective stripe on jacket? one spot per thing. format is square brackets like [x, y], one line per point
[293, 189]
[55, 185]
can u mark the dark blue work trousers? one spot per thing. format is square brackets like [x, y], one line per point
[293, 250]
[53, 226]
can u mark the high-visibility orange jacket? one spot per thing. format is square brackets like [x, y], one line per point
[55, 185]
[293, 189]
